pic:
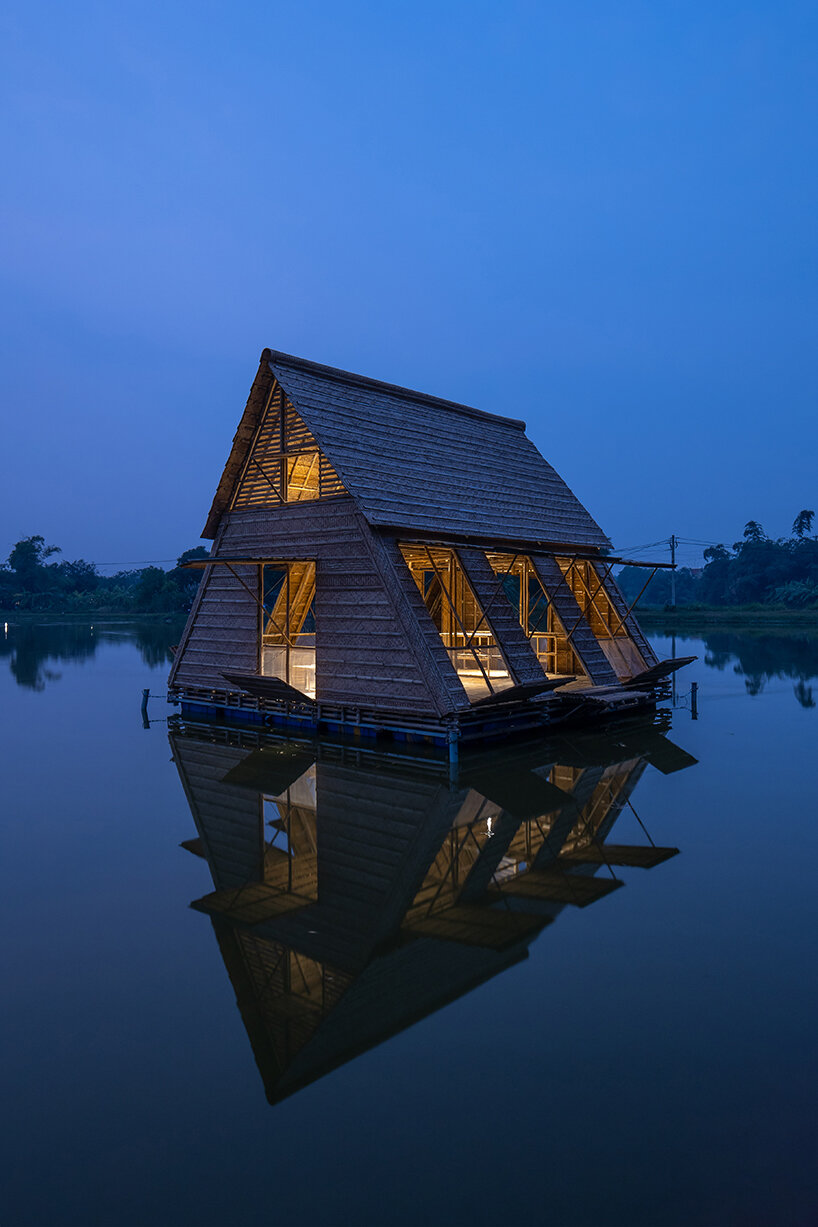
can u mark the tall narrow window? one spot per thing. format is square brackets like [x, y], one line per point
[460, 620]
[288, 624]
[537, 615]
[284, 464]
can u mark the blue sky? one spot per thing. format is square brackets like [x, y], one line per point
[598, 217]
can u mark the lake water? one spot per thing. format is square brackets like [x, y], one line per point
[381, 1046]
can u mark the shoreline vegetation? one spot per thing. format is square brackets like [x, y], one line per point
[755, 582]
[31, 585]
[754, 574]
[720, 615]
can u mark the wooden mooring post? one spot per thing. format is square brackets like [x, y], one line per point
[453, 740]
[146, 724]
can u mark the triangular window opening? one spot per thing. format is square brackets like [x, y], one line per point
[607, 623]
[459, 619]
[284, 464]
[537, 615]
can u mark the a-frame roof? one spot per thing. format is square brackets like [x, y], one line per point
[414, 462]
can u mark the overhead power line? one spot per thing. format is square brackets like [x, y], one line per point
[638, 549]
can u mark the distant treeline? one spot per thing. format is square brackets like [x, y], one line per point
[754, 571]
[29, 580]
[757, 570]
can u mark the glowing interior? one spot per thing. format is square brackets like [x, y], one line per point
[459, 618]
[288, 624]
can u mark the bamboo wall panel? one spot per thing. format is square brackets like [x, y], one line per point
[364, 654]
[224, 634]
[421, 632]
[260, 483]
[282, 440]
[500, 617]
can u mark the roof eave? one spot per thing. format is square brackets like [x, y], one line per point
[447, 537]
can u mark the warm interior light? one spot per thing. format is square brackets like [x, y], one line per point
[459, 618]
[285, 464]
[288, 624]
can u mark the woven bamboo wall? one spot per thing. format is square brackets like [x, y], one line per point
[369, 648]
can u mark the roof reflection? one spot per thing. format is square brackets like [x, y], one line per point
[354, 892]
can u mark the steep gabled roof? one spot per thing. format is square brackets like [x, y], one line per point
[418, 463]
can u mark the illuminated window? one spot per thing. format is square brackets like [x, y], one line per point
[284, 464]
[537, 615]
[288, 624]
[459, 619]
[587, 585]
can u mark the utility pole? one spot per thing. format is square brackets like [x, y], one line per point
[673, 572]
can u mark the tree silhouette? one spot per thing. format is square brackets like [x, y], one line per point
[802, 524]
[200, 552]
[757, 570]
[27, 561]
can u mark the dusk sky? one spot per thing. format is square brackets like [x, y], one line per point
[598, 217]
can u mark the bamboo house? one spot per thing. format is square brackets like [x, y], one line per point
[387, 561]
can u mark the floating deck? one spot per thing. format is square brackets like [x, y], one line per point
[553, 706]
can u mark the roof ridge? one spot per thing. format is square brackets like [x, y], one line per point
[274, 356]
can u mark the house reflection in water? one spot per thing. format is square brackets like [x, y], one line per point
[356, 893]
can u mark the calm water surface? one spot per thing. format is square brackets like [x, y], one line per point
[648, 1058]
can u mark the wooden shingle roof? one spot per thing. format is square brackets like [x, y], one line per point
[419, 463]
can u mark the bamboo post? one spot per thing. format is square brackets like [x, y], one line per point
[453, 739]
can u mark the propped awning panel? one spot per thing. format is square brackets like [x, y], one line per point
[657, 673]
[266, 687]
[526, 690]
